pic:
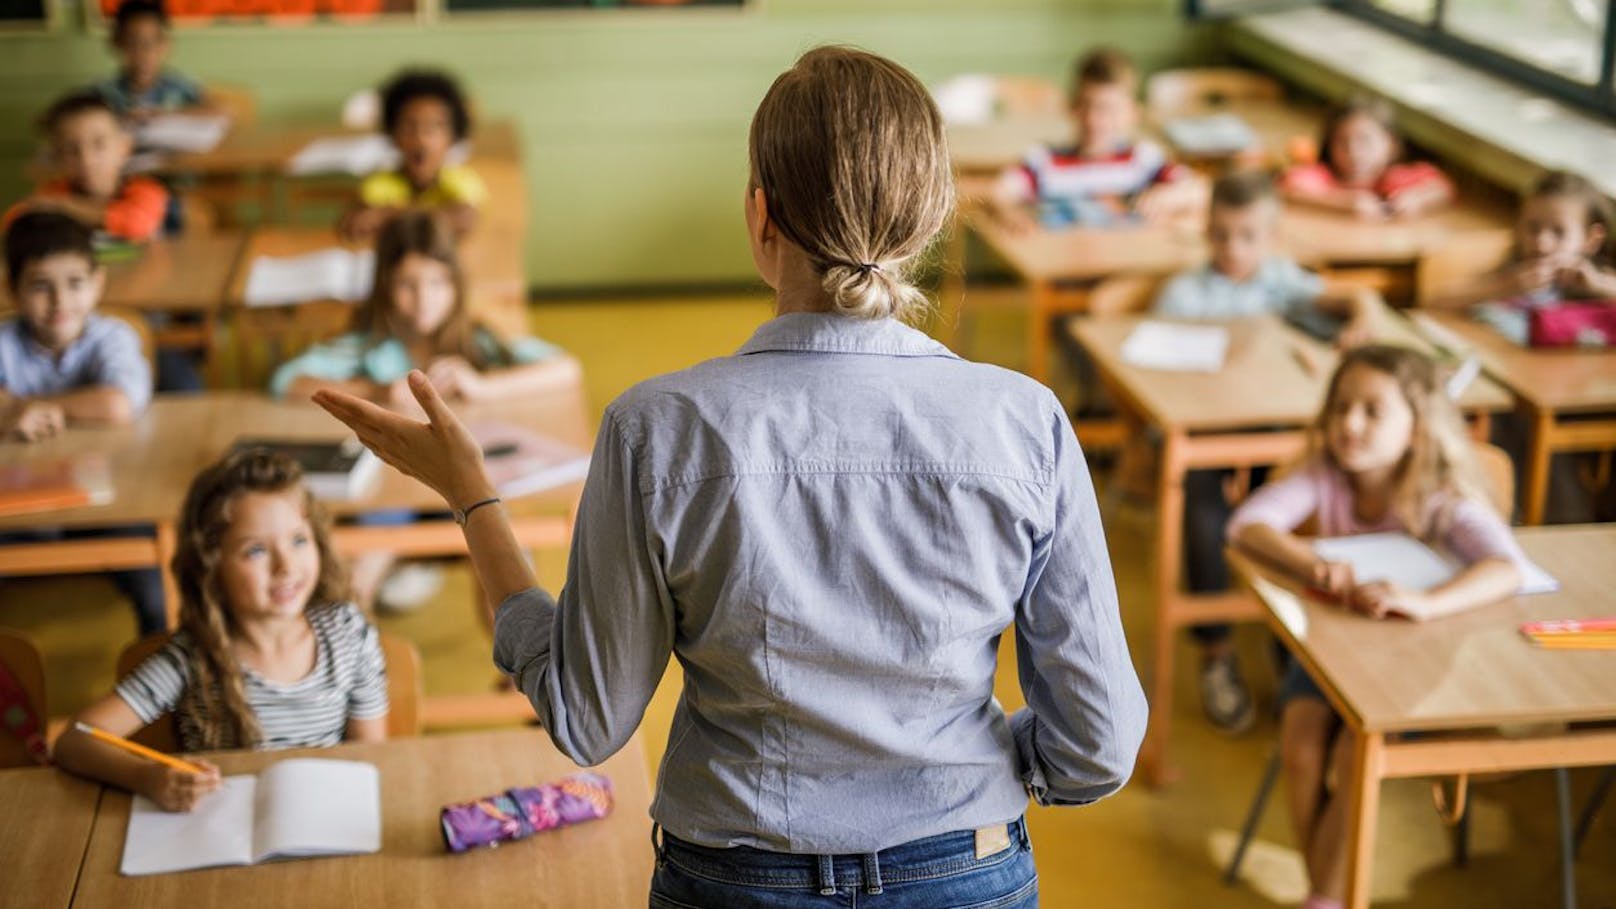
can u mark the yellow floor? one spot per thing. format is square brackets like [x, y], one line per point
[1140, 848]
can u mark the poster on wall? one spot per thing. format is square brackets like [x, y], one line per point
[272, 12]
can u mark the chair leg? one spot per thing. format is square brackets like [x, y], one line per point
[1591, 809]
[1461, 840]
[1568, 870]
[1253, 817]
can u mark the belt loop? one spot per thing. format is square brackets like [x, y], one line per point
[872, 873]
[827, 875]
[656, 844]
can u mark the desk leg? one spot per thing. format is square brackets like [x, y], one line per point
[1538, 451]
[1363, 815]
[167, 544]
[1169, 543]
[1043, 305]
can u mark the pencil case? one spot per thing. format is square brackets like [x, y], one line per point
[521, 812]
[1580, 324]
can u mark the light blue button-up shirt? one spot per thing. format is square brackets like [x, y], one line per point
[830, 530]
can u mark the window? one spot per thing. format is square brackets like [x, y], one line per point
[1562, 48]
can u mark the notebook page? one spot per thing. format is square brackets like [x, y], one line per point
[218, 831]
[1176, 348]
[356, 155]
[315, 806]
[1402, 559]
[183, 132]
[328, 274]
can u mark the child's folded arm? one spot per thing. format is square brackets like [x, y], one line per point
[137, 212]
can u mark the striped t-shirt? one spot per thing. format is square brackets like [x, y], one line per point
[1054, 173]
[349, 681]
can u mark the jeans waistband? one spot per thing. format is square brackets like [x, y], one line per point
[923, 859]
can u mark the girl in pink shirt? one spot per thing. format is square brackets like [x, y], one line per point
[1388, 453]
[1359, 171]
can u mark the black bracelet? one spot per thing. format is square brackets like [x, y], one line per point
[462, 514]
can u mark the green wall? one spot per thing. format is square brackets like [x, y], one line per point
[633, 123]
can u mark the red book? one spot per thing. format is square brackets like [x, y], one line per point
[54, 485]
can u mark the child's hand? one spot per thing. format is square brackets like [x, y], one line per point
[1379, 599]
[1334, 578]
[1533, 275]
[363, 223]
[33, 421]
[453, 377]
[1368, 205]
[1583, 278]
[1358, 330]
[174, 789]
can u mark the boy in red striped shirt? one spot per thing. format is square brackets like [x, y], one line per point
[1109, 173]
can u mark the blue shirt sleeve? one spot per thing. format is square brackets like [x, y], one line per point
[119, 362]
[1180, 298]
[1085, 716]
[590, 664]
[337, 360]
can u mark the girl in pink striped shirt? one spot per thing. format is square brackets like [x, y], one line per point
[1388, 453]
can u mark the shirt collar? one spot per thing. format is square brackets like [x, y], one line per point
[833, 333]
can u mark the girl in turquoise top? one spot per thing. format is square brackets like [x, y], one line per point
[417, 318]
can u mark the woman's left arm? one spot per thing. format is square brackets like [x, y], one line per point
[589, 664]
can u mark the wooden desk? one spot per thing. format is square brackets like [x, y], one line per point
[1569, 396]
[265, 148]
[604, 863]
[44, 828]
[1275, 125]
[1461, 677]
[153, 462]
[190, 274]
[1251, 413]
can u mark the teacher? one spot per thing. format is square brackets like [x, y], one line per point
[829, 530]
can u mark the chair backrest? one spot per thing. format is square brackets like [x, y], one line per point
[1123, 294]
[142, 329]
[404, 689]
[21, 658]
[1498, 473]
[1177, 91]
[240, 102]
[270, 335]
[1027, 96]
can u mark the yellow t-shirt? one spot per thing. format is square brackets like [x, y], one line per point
[457, 184]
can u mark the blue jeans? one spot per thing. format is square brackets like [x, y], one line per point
[938, 872]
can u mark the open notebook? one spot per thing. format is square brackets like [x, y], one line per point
[1175, 347]
[183, 132]
[298, 808]
[1402, 559]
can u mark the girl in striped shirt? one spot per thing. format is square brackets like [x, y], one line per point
[268, 654]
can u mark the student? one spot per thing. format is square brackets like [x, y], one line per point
[89, 148]
[831, 530]
[61, 364]
[1109, 172]
[1361, 173]
[1246, 276]
[268, 654]
[417, 317]
[1388, 453]
[425, 114]
[1565, 249]
[144, 87]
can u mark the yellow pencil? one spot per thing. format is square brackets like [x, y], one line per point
[138, 749]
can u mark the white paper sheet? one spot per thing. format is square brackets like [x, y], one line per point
[313, 806]
[183, 132]
[218, 831]
[329, 274]
[1401, 559]
[1176, 348]
[1217, 134]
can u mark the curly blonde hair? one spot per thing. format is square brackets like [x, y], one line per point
[1440, 460]
[217, 686]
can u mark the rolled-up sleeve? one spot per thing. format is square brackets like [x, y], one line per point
[1080, 733]
[590, 663]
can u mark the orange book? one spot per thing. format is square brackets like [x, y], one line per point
[54, 485]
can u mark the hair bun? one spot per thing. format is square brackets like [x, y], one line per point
[871, 291]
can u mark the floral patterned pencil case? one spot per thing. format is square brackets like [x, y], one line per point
[521, 812]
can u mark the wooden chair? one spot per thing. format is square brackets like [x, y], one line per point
[404, 689]
[1124, 294]
[136, 321]
[1178, 91]
[22, 659]
[1027, 96]
[238, 102]
[270, 335]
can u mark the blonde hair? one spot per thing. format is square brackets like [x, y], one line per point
[849, 150]
[422, 233]
[1439, 461]
[217, 689]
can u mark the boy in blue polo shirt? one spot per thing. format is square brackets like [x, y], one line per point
[61, 364]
